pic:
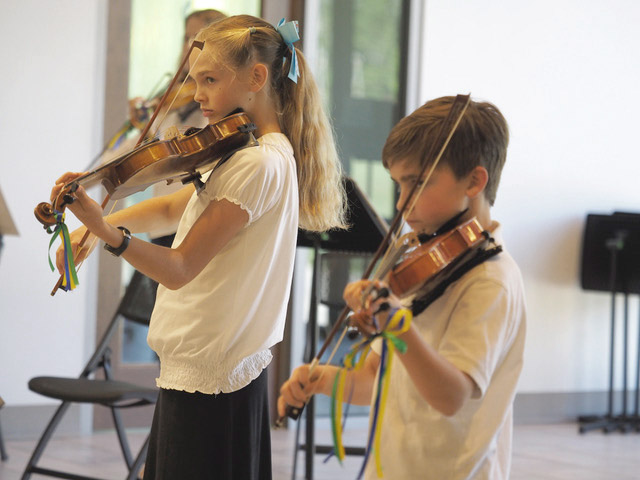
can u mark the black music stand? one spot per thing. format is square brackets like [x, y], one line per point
[7, 227]
[366, 232]
[611, 263]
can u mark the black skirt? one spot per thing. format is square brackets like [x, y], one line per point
[198, 436]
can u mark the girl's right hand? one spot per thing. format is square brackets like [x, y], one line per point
[79, 254]
[297, 390]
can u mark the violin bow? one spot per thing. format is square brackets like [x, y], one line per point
[436, 150]
[174, 80]
[65, 191]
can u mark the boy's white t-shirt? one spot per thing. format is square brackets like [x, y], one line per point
[478, 324]
[213, 335]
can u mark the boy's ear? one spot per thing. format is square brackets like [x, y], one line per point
[478, 179]
[258, 77]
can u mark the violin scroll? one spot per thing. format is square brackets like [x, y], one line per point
[46, 212]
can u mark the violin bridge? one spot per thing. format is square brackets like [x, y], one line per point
[171, 133]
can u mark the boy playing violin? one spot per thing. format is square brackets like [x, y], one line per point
[450, 399]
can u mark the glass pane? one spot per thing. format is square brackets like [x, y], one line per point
[360, 82]
[134, 344]
[157, 29]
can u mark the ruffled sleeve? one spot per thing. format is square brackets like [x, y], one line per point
[251, 179]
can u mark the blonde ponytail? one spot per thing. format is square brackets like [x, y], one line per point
[242, 39]
[322, 198]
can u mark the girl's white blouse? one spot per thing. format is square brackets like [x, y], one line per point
[213, 335]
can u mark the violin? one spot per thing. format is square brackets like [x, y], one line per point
[182, 158]
[425, 262]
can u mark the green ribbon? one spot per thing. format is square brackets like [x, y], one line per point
[70, 277]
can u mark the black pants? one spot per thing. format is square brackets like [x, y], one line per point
[206, 437]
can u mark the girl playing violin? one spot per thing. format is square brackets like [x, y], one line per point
[224, 283]
[449, 407]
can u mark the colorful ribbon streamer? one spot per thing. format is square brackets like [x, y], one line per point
[70, 277]
[399, 323]
[119, 136]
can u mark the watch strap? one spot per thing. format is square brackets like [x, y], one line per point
[126, 237]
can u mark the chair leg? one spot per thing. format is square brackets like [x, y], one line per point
[122, 437]
[44, 439]
[3, 451]
[139, 461]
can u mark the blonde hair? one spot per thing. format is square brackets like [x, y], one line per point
[207, 16]
[240, 40]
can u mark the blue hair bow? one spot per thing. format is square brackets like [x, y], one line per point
[290, 35]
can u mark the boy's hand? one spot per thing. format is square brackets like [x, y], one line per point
[353, 294]
[297, 390]
[370, 302]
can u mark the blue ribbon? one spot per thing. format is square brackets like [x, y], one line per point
[290, 34]
[70, 277]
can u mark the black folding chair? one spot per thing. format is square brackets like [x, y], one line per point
[136, 306]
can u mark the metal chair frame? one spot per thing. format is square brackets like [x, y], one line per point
[107, 392]
[3, 451]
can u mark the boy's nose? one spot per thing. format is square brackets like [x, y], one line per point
[402, 198]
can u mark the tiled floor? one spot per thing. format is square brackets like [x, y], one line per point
[549, 452]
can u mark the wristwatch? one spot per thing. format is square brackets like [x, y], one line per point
[116, 252]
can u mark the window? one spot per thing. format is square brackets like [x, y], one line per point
[355, 49]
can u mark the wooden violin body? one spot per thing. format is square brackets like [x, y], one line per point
[178, 159]
[427, 261]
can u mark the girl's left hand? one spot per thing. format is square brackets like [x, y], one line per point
[84, 208]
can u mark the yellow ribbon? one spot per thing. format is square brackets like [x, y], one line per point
[399, 323]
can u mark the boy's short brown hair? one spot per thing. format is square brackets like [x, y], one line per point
[481, 139]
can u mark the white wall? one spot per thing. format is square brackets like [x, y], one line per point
[565, 74]
[51, 95]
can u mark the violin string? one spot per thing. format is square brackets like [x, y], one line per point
[168, 109]
[379, 272]
[414, 200]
